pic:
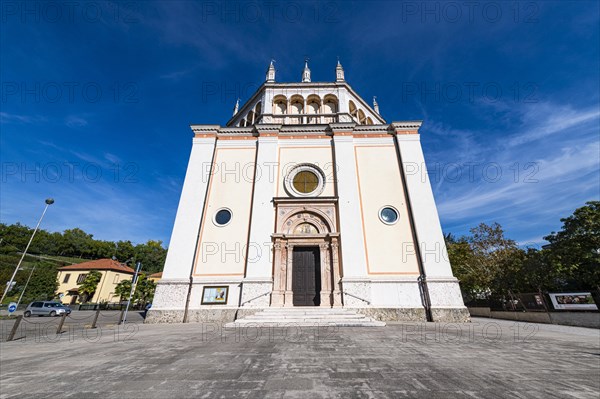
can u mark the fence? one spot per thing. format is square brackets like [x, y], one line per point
[68, 326]
[100, 306]
[534, 308]
[520, 302]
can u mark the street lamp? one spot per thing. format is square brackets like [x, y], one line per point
[49, 201]
[26, 284]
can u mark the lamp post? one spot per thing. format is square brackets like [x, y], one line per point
[26, 284]
[49, 201]
[133, 284]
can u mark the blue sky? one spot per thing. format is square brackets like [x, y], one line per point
[97, 98]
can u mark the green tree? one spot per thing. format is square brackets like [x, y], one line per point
[42, 284]
[485, 262]
[144, 290]
[574, 251]
[462, 260]
[77, 242]
[152, 255]
[123, 289]
[124, 250]
[88, 286]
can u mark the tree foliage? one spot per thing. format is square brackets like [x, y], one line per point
[487, 263]
[144, 290]
[88, 286]
[123, 289]
[77, 243]
[575, 249]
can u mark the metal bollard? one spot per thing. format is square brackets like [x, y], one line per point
[60, 325]
[96, 318]
[15, 327]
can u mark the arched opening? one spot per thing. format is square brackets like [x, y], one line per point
[369, 121]
[257, 112]
[279, 109]
[296, 108]
[361, 117]
[280, 105]
[330, 107]
[313, 105]
[353, 110]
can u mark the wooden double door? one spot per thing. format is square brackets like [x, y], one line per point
[306, 277]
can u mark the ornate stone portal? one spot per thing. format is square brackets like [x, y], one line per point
[306, 223]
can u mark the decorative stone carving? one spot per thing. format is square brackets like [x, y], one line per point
[290, 231]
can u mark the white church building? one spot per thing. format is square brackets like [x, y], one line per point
[307, 197]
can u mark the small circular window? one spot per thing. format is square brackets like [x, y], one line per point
[305, 180]
[222, 217]
[388, 215]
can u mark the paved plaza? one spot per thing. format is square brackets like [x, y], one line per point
[483, 359]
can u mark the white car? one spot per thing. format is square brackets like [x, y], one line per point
[46, 308]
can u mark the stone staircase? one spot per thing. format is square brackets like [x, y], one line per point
[306, 316]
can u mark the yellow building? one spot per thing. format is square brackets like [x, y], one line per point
[155, 277]
[113, 272]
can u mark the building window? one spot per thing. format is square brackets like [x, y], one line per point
[388, 215]
[66, 279]
[116, 280]
[222, 217]
[305, 180]
[81, 277]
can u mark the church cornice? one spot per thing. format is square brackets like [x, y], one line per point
[406, 127]
[305, 131]
[411, 125]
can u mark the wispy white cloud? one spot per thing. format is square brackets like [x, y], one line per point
[112, 158]
[6, 117]
[554, 169]
[74, 121]
[544, 119]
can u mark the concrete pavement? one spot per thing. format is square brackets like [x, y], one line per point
[483, 359]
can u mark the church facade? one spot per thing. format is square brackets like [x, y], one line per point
[307, 197]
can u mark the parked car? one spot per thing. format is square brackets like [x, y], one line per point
[46, 308]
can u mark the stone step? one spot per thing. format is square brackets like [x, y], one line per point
[336, 323]
[304, 320]
[306, 316]
[317, 310]
[259, 316]
[307, 313]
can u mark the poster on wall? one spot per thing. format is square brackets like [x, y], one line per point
[214, 295]
[573, 301]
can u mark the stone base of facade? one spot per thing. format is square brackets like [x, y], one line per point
[164, 316]
[221, 315]
[256, 293]
[228, 315]
[393, 314]
[451, 315]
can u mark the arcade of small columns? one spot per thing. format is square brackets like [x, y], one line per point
[289, 219]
